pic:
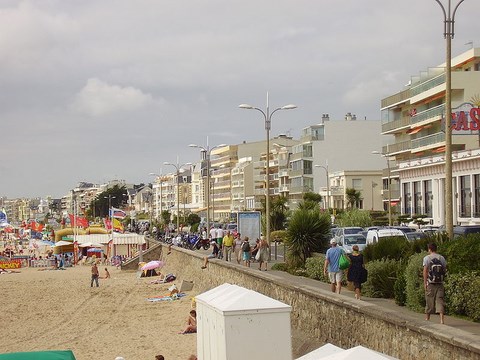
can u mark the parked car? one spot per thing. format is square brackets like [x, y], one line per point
[353, 239]
[415, 235]
[374, 235]
[465, 230]
[342, 231]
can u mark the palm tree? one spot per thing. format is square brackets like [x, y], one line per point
[353, 197]
[308, 231]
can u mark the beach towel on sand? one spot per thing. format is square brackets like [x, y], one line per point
[167, 297]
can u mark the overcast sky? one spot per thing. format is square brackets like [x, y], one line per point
[96, 90]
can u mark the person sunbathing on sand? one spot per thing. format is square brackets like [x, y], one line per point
[191, 323]
[3, 271]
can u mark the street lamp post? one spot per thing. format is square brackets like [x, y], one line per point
[387, 157]
[208, 152]
[328, 183]
[448, 33]
[178, 167]
[268, 122]
[373, 186]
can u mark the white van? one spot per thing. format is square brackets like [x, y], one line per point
[374, 235]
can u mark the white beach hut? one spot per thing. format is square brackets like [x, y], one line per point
[237, 323]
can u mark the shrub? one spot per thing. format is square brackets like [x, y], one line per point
[462, 253]
[382, 275]
[414, 282]
[462, 294]
[280, 267]
[355, 217]
[392, 247]
[308, 231]
[314, 268]
[400, 290]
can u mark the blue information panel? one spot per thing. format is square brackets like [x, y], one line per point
[249, 224]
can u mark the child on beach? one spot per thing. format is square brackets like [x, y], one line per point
[191, 323]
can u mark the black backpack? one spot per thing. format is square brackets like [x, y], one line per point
[246, 247]
[436, 273]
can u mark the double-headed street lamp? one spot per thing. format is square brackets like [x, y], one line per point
[178, 167]
[387, 157]
[328, 184]
[208, 152]
[448, 33]
[268, 122]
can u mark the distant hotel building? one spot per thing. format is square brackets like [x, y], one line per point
[414, 117]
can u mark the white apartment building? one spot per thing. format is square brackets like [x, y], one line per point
[415, 117]
[333, 146]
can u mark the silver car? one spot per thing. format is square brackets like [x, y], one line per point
[353, 239]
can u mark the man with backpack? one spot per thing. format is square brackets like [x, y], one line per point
[434, 270]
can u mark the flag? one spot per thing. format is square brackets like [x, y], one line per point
[117, 213]
[78, 221]
[107, 223]
[3, 218]
[117, 225]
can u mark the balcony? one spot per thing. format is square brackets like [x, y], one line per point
[395, 99]
[434, 140]
[396, 125]
[337, 191]
[284, 188]
[427, 85]
[259, 178]
[397, 147]
[433, 114]
[283, 173]
[258, 192]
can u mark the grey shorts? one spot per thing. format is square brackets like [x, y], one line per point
[434, 299]
[335, 277]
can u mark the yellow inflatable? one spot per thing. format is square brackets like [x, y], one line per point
[59, 234]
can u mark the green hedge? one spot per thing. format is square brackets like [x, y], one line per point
[382, 275]
[461, 253]
[314, 268]
[462, 294]
[414, 282]
[395, 247]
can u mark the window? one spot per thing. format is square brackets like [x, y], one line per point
[476, 179]
[357, 184]
[407, 199]
[308, 150]
[428, 197]
[308, 167]
[417, 198]
[465, 196]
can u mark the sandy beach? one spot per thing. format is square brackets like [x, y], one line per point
[57, 310]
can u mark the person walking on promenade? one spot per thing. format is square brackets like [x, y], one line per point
[227, 246]
[356, 271]
[237, 248]
[262, 254]
[246, 251]
[434, 270]
[331, 266]
[94, 275]
[219, 234]
[213, 233]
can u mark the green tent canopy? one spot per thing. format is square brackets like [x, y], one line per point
[39, 355]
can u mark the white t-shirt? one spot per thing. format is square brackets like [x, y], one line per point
[219, 233]
[213, 233]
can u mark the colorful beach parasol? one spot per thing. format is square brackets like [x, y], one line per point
[155, 264]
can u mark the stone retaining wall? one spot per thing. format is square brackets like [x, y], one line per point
[336, 319]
